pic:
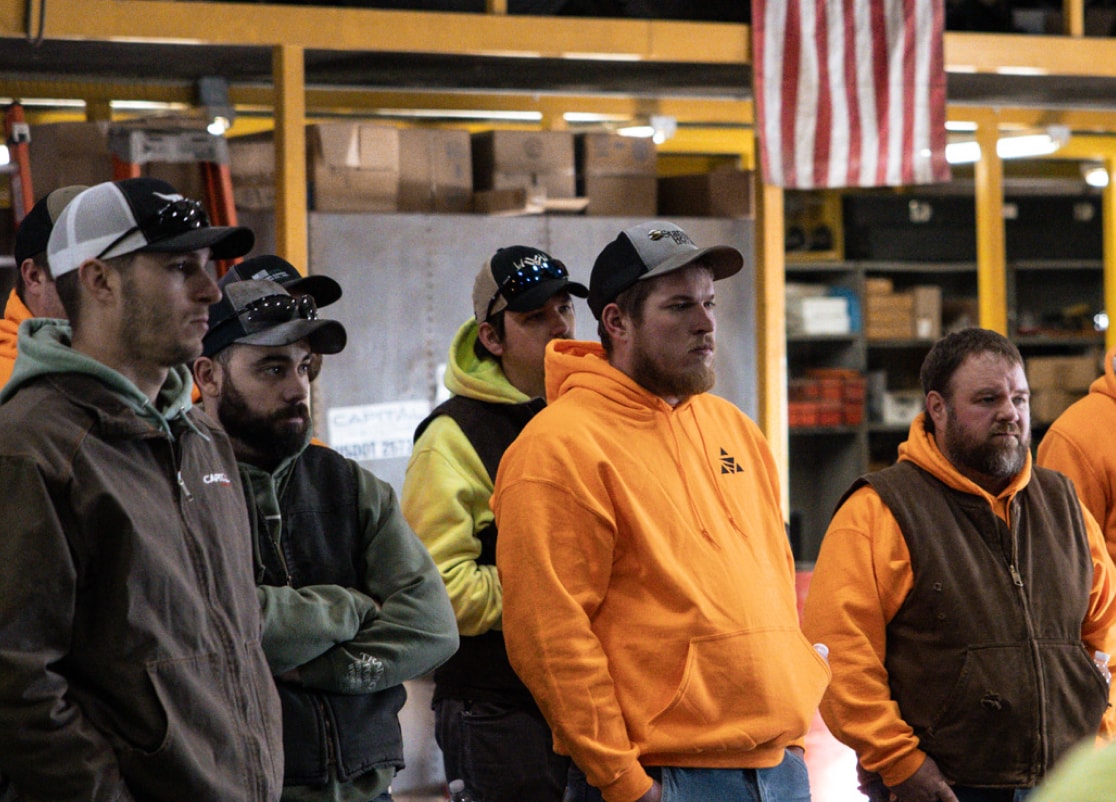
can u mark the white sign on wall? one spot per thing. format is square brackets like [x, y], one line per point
[375, 431]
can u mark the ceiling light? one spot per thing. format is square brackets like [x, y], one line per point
[1095, 175]
[1016, 146]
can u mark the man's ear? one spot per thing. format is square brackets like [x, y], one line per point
[615, 322]
[488, 337]
[936, 409]
[207, 376]
[33, 275]
[99, 280]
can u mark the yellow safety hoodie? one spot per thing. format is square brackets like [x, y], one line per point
[649, 599]
[1082, 445]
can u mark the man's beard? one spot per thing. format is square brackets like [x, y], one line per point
[270, 438]
[649, 373]
[990, 458]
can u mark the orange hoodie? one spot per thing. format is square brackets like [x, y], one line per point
[862, 576]
[14, 313]
[649, 599]
[1081, 443]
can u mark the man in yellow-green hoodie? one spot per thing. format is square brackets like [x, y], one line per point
[492, 735]
[649, 599]
[966, 598]
[1081, 443]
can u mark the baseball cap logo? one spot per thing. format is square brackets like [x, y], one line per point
[678, 235]
[535, 260]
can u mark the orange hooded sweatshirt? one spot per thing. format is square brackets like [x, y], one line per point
[862, 576]
[1081, 443]
[14, 313]
[649, 599]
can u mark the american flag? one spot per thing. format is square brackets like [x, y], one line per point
[850, 93]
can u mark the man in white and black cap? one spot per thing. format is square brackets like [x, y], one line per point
[491, 733]
[352, 604]
[130, 658]
[649, 599]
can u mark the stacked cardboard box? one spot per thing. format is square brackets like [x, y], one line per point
[79, 153]
[617, 174]
[723, 192]
[363, 167]
[1058, 381]
[541, 162]
[888, 315]
[810, 309]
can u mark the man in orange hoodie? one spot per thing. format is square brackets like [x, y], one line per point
[966, 597]
[648, 583]
[34, 294]
[1081, 443]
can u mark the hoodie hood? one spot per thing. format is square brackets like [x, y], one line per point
[572, 364]
[1106, 384]
[922, 449]
[44, 349]
[473, 377]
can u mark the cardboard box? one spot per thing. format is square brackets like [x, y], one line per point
[818, 315]
[78, 153]
[435, 170]
[927, 311]
[889, 317]
[1070, 373]
[902, 406]
[617, 174]
[540, 161]
[1047, 403]
[353, 167]
[877, 285]
[724, 192]
[252, 169]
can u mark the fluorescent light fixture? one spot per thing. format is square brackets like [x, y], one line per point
[590, 117]
[659, 129]
[5, 156]
[963, 152]
[1028, 71]
[1095, 175]
[1018, 146]
[961, 125]
[638, 131]
[218, 125]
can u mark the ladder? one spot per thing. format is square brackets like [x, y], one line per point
[133, 147]
[17, 136]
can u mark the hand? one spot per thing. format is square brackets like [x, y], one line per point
[928, 784]
[654, 793]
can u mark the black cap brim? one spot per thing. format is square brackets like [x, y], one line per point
[322, 289]
[324, 336]
[541, 293]
[224, 242]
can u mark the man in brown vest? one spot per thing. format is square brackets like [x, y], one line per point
[966, 597]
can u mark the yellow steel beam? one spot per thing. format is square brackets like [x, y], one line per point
[1096, 120]
[1109, 217]
[1030, 54]
[331, 28]
[1073, 17]
[496, 6]
[771, 330]
[290, 155]
[991, 254]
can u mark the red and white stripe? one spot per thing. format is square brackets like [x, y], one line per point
[850, 92]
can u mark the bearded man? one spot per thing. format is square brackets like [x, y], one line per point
[351, 602]
[649, 600]
[963, 594]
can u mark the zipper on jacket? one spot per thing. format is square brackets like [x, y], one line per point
[1040, 680]
[182, 486]
[274, 525]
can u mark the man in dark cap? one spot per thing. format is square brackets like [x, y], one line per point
[130, 651]
[352, 604]
[490, 730]
[34, 294]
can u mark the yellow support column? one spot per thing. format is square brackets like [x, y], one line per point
[1109, 215]
[991, 257]
[771, 343]
[496, 6]
[1073, 17]
[290, 155]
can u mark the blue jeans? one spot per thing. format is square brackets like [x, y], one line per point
[787, 782]
[502, 751]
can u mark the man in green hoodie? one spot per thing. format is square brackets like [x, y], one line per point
[352, 604]
[130, 659]
[491, 732]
